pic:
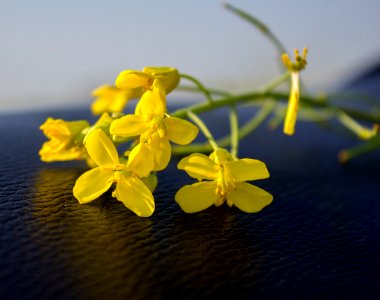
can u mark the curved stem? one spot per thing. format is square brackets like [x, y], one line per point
[361, 131]
[202, 126]
[259, 25]
[265, 31]
[200, 86]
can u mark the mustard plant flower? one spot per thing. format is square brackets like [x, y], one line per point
[167, 77]
[112, 99]
[222, 179]
[155, 129]
[130, 189]
[62, 144]
[294, 68]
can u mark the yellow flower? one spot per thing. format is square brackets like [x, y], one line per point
[62, 145]
[130, 189]
[167, 77]
[225, 181]
[112, 99]
[155, 130]
[294, 68]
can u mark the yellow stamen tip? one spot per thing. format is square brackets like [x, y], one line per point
[299, 61]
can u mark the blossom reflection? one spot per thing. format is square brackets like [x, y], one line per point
[89, 244]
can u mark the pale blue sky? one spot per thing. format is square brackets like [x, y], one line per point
[53, 53]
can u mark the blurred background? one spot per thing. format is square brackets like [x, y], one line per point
[54, 53]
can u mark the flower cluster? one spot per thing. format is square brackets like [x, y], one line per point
[148, 133]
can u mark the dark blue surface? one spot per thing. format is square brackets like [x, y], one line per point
[319, 239]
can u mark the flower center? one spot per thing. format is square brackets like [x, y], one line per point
[149, 84]
[156, 127]
[225, 184]
[118, 167]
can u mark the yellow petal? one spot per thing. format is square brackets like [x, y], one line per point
[50, 152]
[55, 128]
[130, 79]
[60, 129]
[180, 131]
[129, 125]
[104, 120]
[62, 135]
[246, 169]
[109, 99]
[119, 102]
[220, 156]
[135, 196]
[92, 184]
[199, 166]
[167, 76]
[197, 197]
[249, 198]
[140, 160]
[152, 102]
[101, 149]
[161, 151]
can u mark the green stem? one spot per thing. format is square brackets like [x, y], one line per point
[372, 116]
[267, 88]
[202, 126]
[277, 117]
[354, 95]
[361, 131]
[265, 31]
[275, 83]
[322, 115]
[224, 142]
[234, 123]
[200, 86]
[259, 25]
[368, 146]
[186, 88]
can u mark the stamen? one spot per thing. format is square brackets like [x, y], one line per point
[118, 167]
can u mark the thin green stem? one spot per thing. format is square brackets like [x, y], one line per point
[267, 88]
[277, 117]
[350, 153]
[202, 126]
[200, 86]
[276, 82]
[259, 25]
[361, 131]
[315, 102]
[354, 95]
[224, 142]
[216, 92]
[234, 123]
[321, 115]
[264, 29]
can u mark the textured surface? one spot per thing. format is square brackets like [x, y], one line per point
[319, 239]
